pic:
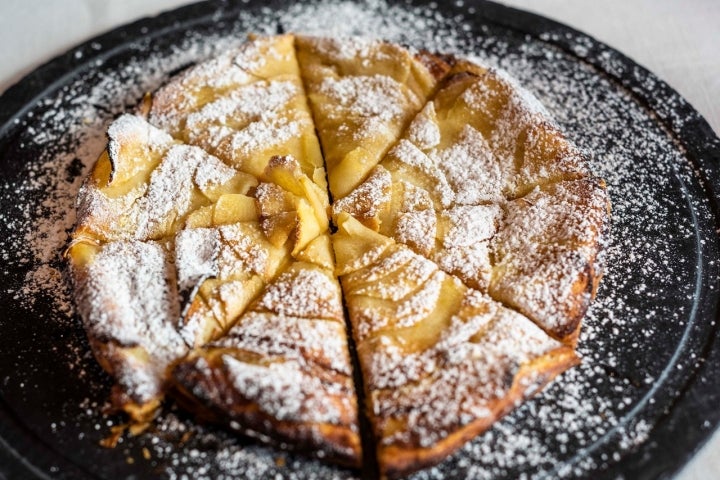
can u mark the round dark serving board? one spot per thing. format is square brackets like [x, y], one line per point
[665, 366]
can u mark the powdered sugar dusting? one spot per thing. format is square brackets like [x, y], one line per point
[196, 256]
[416, 223]
[296, 338]
[424, 131]
[230, 70]
[245, 104]
[306, 291]
[546, 241]
[345, 48]
[377, 99]
[141, 311]
[150, 210]
[283, 390]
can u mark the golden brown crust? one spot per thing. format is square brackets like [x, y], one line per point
[438, 65]
[207, 390]
[118, 340]
[548, 254]
[400, 460]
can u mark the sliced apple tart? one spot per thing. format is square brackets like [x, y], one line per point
[467, 248]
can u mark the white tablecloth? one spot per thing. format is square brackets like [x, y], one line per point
[678, 40]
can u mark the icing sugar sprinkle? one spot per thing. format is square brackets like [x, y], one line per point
[647, 257]
[283, 390]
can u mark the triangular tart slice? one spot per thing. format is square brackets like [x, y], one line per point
[362, 93]
[244, 107]
[283, 372]
[547, 253]
[440, 362]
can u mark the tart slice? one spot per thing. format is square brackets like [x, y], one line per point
[443, 190]
[440, 362]
[362, 93]
[283, 371]
[244, 107]
[548, 253]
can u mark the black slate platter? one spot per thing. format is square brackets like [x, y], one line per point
[644, 399]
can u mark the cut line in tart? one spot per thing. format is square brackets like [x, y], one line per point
[467, 248]
[285, 361]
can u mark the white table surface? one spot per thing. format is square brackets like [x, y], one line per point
[678, 40]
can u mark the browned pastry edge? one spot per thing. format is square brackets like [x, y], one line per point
[120, 401]
[105, 352]
[438, 65]
[213, 399]
[583, 293]
[584, 290]
[138, 413]
[398, 461]
[585, 286]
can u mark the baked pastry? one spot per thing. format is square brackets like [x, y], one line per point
[363, 93]
[219, 233]
[285, 362]
[468, 245]
[440, 362]
[487, 187]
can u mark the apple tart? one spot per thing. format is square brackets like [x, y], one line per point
[467, 247]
